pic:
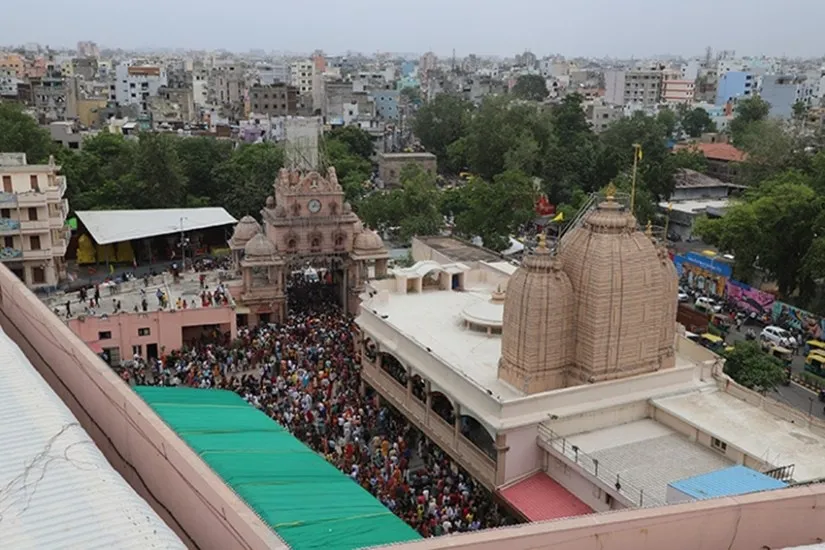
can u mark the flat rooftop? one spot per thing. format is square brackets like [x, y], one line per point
[648, 455]
[695, 207]
[459, 251]
[752, 430]
[540, 498]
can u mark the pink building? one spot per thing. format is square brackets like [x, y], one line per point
[124, 335]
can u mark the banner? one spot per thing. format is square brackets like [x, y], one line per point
[749, 299]
[786, 315]
[702, 273]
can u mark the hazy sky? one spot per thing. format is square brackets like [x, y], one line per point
[620, 28]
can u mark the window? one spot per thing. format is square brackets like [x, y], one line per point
[33, 182]
[7, 188]
[144, 331]
[5, 213]
[34, 241]
[8, 242]
[137, 350]
[38, 275]
[32, 214]
[104, 335]
[718, 444]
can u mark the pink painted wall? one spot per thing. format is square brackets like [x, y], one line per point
[149, 455]
[165, 327]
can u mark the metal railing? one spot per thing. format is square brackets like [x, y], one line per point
[591, 466]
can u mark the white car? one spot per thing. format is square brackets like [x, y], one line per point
[683, 296]
[776, 335]
[704, 303]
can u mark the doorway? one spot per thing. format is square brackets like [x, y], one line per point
[151, 351]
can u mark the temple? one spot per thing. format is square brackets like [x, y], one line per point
[306, 224]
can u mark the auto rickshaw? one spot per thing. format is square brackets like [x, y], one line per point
[814, 345]
[783, 354]
[714, 343]
[815, 363]
[719, 324]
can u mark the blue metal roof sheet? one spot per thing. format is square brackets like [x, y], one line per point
[736, 480]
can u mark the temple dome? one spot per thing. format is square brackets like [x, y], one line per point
[245, 229]
[259, 248]
[367, 242]
[619, 284]
[538, 325]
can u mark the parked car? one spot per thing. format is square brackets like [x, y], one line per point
[704, 303]
[683, 296]
[776, 335]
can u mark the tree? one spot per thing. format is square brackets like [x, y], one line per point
[352, 168]
[748, 111]
[697, 122]
[800, 110]
[159, 179]
[441, 122]
[749, 366]
[199, 156]
[494, 210]
[20, 133]
[357, 140]
[669, 121]
[247, 178]
[531, 87]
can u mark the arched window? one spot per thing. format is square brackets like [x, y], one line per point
[291, 244]
[339, 240]
[315, 243]
[333, 207]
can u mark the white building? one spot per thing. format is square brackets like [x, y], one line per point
[134, 84]
[276, 72]
[301, 75]
[200, 85]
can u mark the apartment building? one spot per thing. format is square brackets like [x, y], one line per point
[633, 86]
[601, 115]
[301, 75]
[33, 220]
[735, 85]
[783, 91]
[273, 100]
[676, 88]
[134, 84]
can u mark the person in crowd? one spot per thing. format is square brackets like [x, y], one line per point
[304, 373]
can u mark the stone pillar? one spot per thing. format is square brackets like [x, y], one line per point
[456, 424]
[409, 384]
[247, 278]
[380, 268]
[501, 458]
[428, 388]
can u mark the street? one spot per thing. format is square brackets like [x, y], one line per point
[794, 395]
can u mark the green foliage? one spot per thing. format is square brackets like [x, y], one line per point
[350, 158]
[692, 160]
[531, 87]
[800, 110]
[748, 111]
[697, 122]
[668, 120]
[412, 209]
[493, 210]
[749, 366]
[441, 122]
[357, 140]
[247, 177]
[20, 133]
[813, 380]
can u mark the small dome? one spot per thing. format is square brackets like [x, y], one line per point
[259, 248]
[538, 325]
[270, 202]
[247, 228]
[367, 241]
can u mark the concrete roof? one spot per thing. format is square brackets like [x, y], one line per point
[648, 455]
[459, 251]
[752, 430]
[695, 207]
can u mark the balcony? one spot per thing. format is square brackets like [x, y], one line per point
[34, 226]
[57, 220]
[59, 247]
[8, 200]
[10, 254]
[55, 194]
[8, 226]
[40, 254]
[30, 199]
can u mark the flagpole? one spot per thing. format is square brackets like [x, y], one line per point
[636, 148]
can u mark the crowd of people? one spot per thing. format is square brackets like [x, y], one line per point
[304, 373]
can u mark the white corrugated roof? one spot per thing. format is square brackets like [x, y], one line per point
[114, 226]
[57, 490]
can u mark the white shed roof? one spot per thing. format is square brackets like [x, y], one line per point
[59, 492]
[114, 226]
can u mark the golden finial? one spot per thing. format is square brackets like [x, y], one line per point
[649, 229]
[610, 192]
[542, 238]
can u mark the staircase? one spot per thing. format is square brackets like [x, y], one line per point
[577, 220]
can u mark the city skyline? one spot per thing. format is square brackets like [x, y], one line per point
[600, 29]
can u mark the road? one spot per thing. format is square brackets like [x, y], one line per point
[794, 395]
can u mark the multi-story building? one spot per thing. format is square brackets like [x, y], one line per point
[8, 82]
[134, 84]
[273, 100]
[33, 220]
[301, 75]
[15, 62]
[735, 85]
[88, 49]
[633, 86]
[200, 84]
[600, 115]
[273, 73]
[783, 91]
[676, 89]
[386, 103]
[49, 96]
